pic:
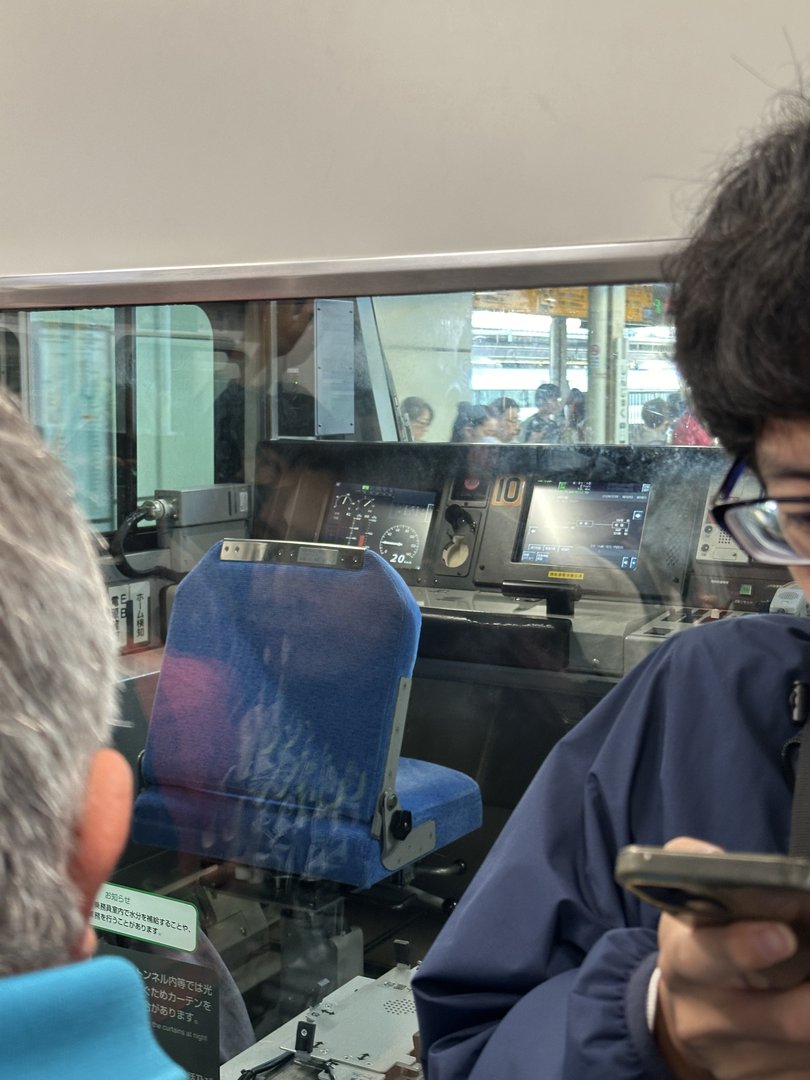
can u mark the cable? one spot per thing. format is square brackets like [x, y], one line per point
[152, 510]
[267, 1066]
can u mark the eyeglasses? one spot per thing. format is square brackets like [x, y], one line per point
[773, 531]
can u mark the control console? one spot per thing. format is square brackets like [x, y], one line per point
[577, 558]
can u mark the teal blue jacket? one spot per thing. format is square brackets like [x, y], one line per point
[85, 1021]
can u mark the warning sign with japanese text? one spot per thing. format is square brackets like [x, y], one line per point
[146, 916]
[183, 1003]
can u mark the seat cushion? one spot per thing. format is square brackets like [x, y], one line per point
[437, 793]
[298, 840]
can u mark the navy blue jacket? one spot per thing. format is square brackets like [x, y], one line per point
[541, 972]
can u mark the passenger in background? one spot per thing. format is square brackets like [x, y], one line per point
[656, 417]
[676, 403]
[547, 968]
[418, 416]
[65, 797]
[474, 424]
[575, 418]
[507, 416]
[545, 426]
[229, 419]
[687, 430]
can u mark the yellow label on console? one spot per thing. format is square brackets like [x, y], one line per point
[569, 575]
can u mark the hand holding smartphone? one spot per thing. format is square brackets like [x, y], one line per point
[722, 887]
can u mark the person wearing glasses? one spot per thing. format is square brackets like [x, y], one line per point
[548, 968]
[545, 425]
[418, 416]
[507, 416]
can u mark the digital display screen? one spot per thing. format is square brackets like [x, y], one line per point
[584, 524]
[318, 556]
[391, 521]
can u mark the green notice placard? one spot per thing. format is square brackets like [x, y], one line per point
[146, 916]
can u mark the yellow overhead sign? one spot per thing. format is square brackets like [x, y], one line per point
[521, 301]
[638, 306]
[568, 302]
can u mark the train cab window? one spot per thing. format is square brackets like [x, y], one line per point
[126, 397]
[175, 397]
[144, 398]
[466, 366]
[71, 397]
[10, 360]
[324, 432]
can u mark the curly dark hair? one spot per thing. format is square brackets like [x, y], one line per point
[741, 296]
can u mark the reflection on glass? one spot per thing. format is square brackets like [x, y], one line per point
[174, 366]
[418, 416]
[136, 399]
[71, 381]
[566, 365]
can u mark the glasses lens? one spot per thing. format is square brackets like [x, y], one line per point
[794, 525]
[772, 532]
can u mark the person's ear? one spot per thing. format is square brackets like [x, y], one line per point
[100, 833]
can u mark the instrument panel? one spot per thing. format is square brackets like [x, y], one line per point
[391, 521]
[603, 539]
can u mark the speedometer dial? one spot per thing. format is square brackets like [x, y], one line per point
[399, 545]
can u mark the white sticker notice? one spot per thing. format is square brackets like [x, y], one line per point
[119, 600]
[146, 916]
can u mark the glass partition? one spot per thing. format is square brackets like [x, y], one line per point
[175, 379]
[518, 466]
[467, 366]
[71, 397]
[139, 399]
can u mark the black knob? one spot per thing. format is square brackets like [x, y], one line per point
[401, 824]
[458, 518]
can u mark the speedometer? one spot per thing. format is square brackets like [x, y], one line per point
[399, 545]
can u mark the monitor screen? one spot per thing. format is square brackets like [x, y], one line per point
[584, 524]
[391, 521]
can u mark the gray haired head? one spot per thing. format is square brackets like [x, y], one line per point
[57, 694]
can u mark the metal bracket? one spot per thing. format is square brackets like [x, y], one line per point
[413, 843]
[287, 552]
[410, 844]
[389, 781]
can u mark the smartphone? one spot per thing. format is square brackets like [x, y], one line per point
[719, 887]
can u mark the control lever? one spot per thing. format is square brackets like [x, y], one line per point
[560, 599]
[456, 552]
[458, 518]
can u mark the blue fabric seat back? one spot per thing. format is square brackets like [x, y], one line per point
[279, 683]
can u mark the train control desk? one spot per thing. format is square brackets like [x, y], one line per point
[364, 1030]
[543, 558]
